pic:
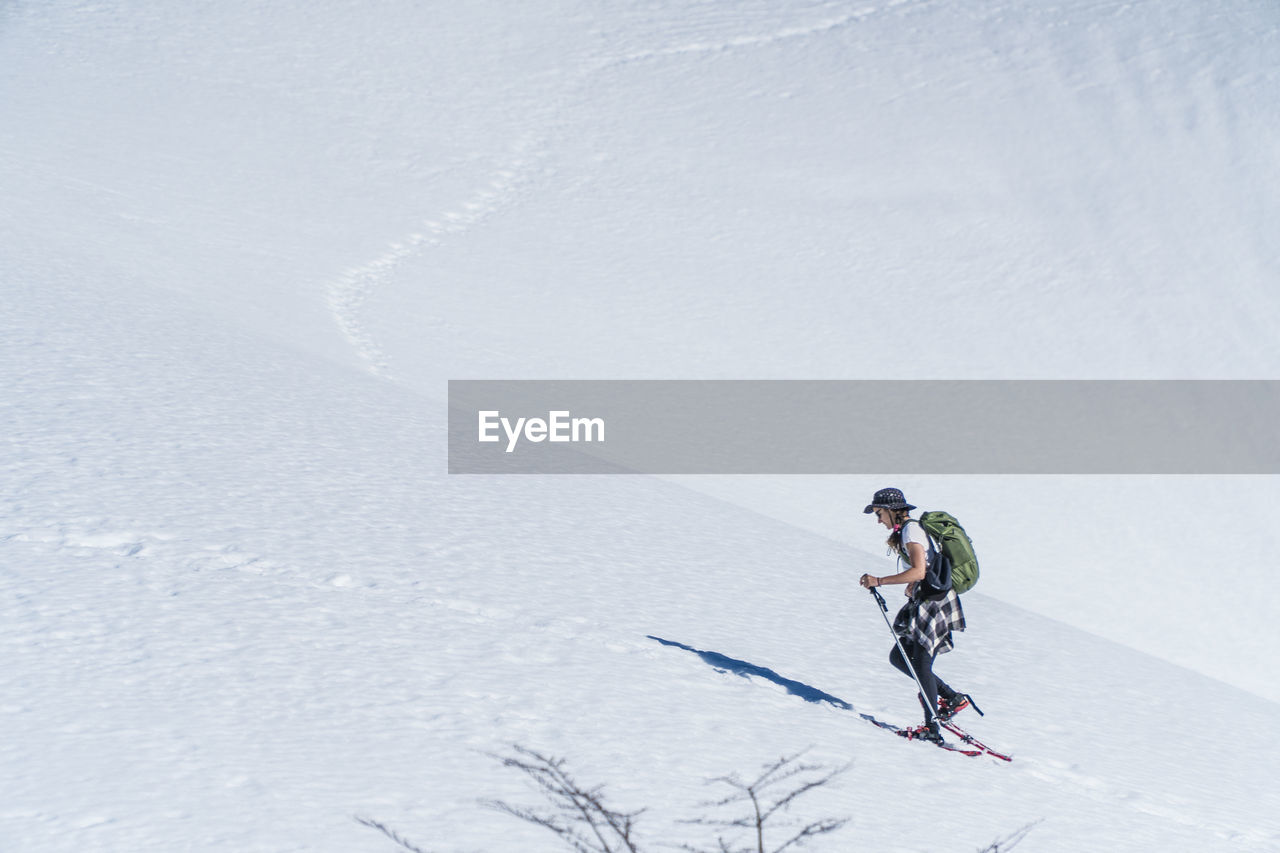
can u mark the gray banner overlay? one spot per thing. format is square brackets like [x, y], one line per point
[864, 427]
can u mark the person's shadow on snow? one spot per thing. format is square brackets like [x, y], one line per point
[724, 663]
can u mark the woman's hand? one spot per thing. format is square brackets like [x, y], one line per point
[868, 581]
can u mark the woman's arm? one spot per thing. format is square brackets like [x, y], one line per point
[915, 574]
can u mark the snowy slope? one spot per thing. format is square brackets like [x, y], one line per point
[248, 606]
[243, 245]
[291, 617]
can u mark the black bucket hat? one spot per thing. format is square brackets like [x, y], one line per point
[888, 499]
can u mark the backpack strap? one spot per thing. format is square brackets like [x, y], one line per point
[903, 555]
[937, 552]
[927, 535]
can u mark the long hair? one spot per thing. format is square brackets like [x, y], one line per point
[894, 541]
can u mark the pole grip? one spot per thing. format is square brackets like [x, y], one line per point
[879, 598]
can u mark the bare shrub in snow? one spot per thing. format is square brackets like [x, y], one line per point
[761, 803]
[758, 819]
[586, 824]
[575, 813]
[1003, 845]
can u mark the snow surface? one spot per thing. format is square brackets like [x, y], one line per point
[244, 245]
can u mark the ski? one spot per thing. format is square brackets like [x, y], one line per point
[972, 741]
[949, 747]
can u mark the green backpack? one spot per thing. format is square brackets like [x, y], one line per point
[954, 548]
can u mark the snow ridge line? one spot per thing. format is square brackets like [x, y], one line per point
[348, 296]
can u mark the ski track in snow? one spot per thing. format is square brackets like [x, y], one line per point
[752, 41]
[1167, 807]
[196, 556]
[199, 556]
[349, 295]
[503, 188]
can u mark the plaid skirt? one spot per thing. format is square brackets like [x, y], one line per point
[928, 622]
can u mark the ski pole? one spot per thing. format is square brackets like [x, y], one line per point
[884, 611]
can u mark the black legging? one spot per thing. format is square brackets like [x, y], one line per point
[923, 663]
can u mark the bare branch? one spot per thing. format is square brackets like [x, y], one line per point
[1002, 845]
[786, 801]
[761, 806]
[820, 827]
[404, 843]
[577, 814]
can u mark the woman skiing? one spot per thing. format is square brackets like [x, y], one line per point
[925, 623]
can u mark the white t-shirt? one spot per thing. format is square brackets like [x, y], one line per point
[913, 532]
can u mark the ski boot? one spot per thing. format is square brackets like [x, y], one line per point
[929, 731]
[948, 708]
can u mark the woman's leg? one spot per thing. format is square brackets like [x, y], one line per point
[922, 662]
[945, 690]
